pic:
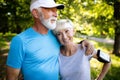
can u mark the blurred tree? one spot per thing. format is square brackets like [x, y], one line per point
[98, 18]
[117, 27]
[3, 18]
[15, 15]
[116, 5]
[90, 17]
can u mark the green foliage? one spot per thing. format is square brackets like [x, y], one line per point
[2, 40]
[6, 37]
[15, 15]
[90, 17]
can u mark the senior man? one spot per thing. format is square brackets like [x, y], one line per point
[34, 52]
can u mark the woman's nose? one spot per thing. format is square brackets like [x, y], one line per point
[64, 36]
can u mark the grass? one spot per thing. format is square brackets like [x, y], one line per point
[113, 73]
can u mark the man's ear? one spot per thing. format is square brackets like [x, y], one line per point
[35, 13]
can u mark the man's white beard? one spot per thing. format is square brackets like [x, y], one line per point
[48, 22]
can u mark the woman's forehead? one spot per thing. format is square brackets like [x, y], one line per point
[64, 26]
[64, 29]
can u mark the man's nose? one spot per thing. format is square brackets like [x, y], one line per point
[55, 14]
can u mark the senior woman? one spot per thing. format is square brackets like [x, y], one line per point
[74, 64]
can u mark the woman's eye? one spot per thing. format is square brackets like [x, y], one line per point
[66, 31]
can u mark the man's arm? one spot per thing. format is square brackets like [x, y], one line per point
[89, 47]
[12, 73]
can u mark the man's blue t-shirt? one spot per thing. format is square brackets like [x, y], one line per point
[35, 54]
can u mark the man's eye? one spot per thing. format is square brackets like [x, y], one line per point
[58, 34]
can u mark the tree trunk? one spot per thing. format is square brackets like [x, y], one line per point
[116, 50]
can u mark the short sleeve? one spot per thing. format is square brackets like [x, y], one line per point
[16, 53]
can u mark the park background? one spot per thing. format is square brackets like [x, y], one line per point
[91, 18]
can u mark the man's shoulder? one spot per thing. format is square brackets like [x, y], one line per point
[25, 31]
[21, 35]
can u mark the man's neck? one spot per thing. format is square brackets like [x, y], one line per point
[40, 28]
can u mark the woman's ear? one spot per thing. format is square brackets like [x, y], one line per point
[35, 13]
